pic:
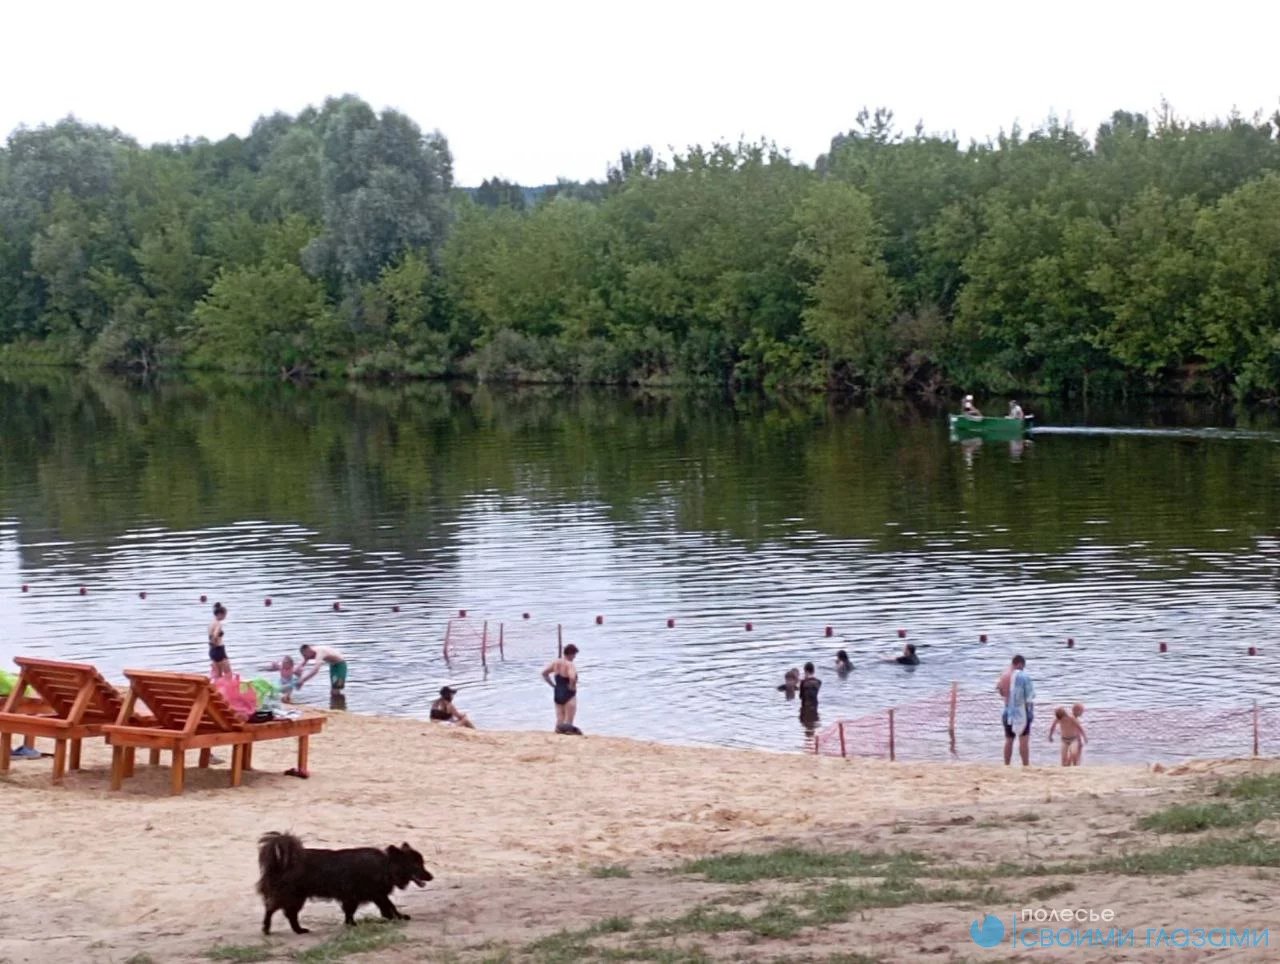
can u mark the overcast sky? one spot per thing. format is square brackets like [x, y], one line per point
[535, 90]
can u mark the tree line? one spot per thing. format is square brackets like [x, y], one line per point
[1143, 259]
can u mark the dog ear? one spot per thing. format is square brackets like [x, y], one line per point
[405, 846]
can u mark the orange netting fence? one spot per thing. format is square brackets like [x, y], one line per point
[488, 640]
[957, 725]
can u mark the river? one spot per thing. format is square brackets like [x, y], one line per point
[1119, 528]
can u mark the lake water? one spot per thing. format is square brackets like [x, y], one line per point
[1117, 528]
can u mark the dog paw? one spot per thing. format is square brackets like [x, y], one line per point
[403, 916]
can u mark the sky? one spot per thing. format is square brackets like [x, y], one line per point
[532, 91]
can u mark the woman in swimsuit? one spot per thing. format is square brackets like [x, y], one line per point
[444, 710]
[565, 685]
[219, 665]
[843, 666]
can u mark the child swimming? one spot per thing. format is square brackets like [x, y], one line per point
[1073, 735]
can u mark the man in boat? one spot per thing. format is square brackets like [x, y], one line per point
[968, 408]
[1015, 411]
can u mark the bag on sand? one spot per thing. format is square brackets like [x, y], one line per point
[242, 697]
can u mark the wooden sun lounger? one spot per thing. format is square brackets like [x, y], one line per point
[73, 702]
[191, 715]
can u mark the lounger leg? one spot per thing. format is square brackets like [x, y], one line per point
[59, 759]
[247, 762]
[117, 767]
[6, 749]
[75, 754]
[304, 744]
[204, 758]
[237, 764]
[179, 771]
[130, 756]
[154, 758]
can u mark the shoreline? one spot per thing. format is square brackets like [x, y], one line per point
[476, 803]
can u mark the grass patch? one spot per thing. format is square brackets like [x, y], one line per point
[610, 870]
[1192, 818]
[140, 959]
[371, 934]
[241, 953]
[1025, 818]
[576, 945]
[1049, 891]
[798, 864]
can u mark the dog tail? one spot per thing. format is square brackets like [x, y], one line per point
[280, 856]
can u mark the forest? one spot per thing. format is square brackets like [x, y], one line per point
[1142, 259]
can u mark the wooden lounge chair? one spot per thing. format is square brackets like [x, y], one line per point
[191, 715]
[73, 702]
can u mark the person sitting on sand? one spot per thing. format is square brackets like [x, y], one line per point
[843, 666]
[907, 657]
[444, 711]
[565, 685]
[790, 683]
[219, 665]
[289, 674]
[323, 655]
[1073, 735]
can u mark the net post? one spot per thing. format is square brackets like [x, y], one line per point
[951, 717]
[501, 650]
[843, 750]
[484, 644]
[448, 628]
[892, 749]
[559, 640]
[1255, 727]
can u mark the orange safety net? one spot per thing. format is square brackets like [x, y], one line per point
[967, 726]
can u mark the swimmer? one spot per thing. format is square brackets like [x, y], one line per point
[444, 711]
[809, 687]
[219, 665]
[1073, 735]
[565, 685]
[790, 683]
[908, 656]
[843, 666]
[289, 675]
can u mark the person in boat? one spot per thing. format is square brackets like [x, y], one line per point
[968, 408]
[907, 657]
[444, 710]
[843, 665]
[1015, 411]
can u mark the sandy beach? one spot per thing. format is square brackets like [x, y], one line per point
[100, 876]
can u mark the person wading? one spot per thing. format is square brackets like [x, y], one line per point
[562, 676]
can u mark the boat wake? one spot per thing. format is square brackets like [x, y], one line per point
[1187, 433]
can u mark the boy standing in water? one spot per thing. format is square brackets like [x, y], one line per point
[809, 687]
[565, 685]
[219, 665]
[321, 655]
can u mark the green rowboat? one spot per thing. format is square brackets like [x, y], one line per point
[967, 426]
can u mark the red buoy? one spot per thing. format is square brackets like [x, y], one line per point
[24, 587]
[204, 598]
[267, 601]
[830, 632]
[1164, 647]
[599, 620]
[143, 594]
[1071, 644]
[395, 609]
[671, 624]
[1253, 650]
[982, 638]
[83, 591]
[337, 606]
[524, 615]
[462, 614]
[902, 634]
[748, 627]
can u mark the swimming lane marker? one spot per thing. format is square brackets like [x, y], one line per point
[1071, 643]
[599, 620]
[748, 627]
[830, 632]
[267, 601]
[671, 624]
[83, 591]
[143, 594]
[337, 606]
[1164, 647]
[24, 587]
[982, 638]
[902, 634]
